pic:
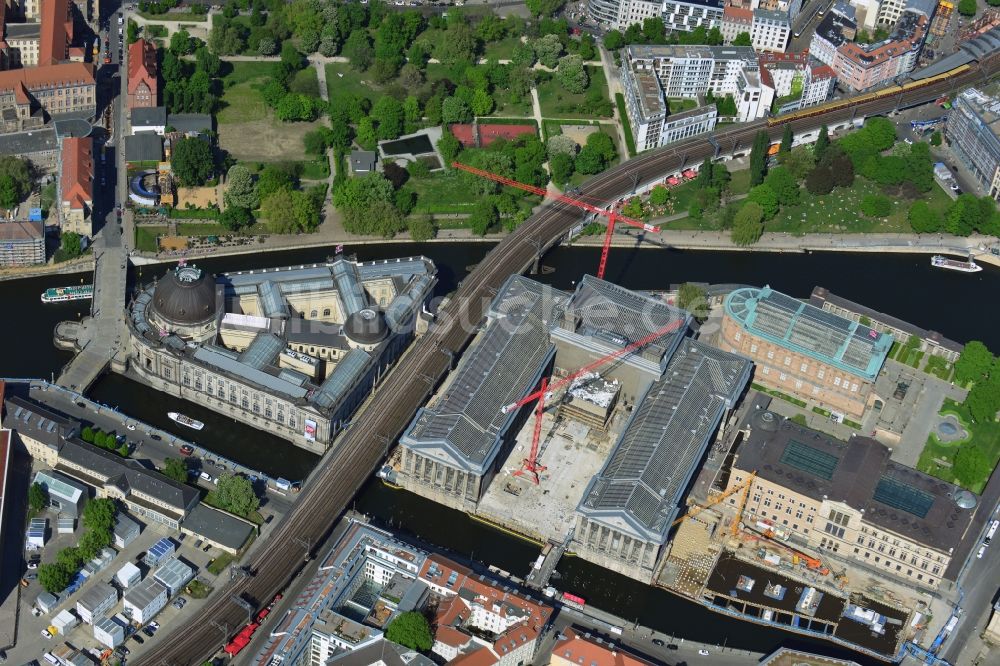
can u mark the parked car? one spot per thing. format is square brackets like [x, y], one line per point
[207, 547]
[979, 553]
[32, 565]
[138, 639]
[45, 633]
[657, 641]
[31, 576]
[147, 631]
[703, 652]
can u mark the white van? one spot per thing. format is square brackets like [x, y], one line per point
[50, 658]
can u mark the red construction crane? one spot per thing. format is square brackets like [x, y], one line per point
[612, 215]
[531, 465]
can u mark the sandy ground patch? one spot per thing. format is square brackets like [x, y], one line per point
[579, 133]
[198, 197]
[265, 140]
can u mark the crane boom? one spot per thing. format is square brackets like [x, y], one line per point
[590, 367]
[611, 214]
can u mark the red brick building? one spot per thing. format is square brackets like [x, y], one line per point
[143, 80]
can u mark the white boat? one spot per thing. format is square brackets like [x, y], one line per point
[186, 420]
[969, 266]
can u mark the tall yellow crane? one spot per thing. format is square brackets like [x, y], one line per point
[698, 508]
[747, 485]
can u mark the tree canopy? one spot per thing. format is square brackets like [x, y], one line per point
[236, 494]
[38, 499]
[174, 468]
[974, 363]
[748, 225]
[241, 191]
[412, 630]
[192, 161]
[693, 298]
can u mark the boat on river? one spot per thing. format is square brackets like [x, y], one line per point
[969, 266]
[60, 294]
[186, 420]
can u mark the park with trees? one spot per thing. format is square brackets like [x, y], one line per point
[98, 522]
[970, 461]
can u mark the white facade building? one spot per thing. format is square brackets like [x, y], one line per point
[145, 600]
[128, 575]
[677, 15]
[647, 110]
[173, 575]
[96, 603]
[803, 81]
[770, 30]
[108, 632]
[686, 15]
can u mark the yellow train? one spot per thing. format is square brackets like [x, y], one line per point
[890, 91]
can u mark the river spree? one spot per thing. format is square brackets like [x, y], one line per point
[905, 286]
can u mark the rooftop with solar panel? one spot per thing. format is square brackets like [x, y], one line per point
[295, 348]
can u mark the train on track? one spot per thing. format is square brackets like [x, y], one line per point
[857, 100]
[245, 635]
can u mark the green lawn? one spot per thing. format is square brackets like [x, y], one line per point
[174, 16]
[558, 103]
[679, 105]
[442, 193]
[985, 436]
[316, 169]
[242, 72]
[220, 563]
[305, 82]
[739, 181]
[342, 80]
[502, 50]
[940, 368]
[241, 100]
[145, 237]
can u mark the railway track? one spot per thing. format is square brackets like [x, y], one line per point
[360, 450]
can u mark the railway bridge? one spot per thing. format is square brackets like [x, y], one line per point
[360, 450]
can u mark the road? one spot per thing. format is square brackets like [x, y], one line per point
[355, 456]
[805, 23]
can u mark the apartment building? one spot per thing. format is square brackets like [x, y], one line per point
[692, 71]
[813, 355]
[973, 127]
[735, 20]
[890, 11]
[76, 186]
[143, 79]
[686, 15]
[770, 30]
[28, 96]
[851, 500]
[648, 113]
[863, 66]
[798, 80]
[677, 15]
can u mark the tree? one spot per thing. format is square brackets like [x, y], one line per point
[548, 48]
[358, 49]
[99, 515]
[783, 184]
[411, 630]
[765, 197]
[15, 181]
[603, 145]
[974, 363]
[241, 191]
[615, 40]
[983, 399]
[455, 110]
[174, 468]
[822, 143]
[192, 161]
[388, 113]
[544, 7]
[654, 30]
[748, 225]
[70, 246]
[936, 138]
[38, 498]
[357, 199]
[482, 103]
[412, 114]
[448, 146]
[970, 464]
[456, 46]
[236, 219]
[967, 7]
[693, 298]
[572, 74]
[276, 177]
[54, 578]
[562, 166]
[131, 32]
[560, 143]
[841, 170]
[181, 43]
[786, 140]
[876, 205]
[659, 195]
[295, 107]
[758, 158]
[235, 494]
[922, 218]
[484, 217]
[820, 180]
[743, 39]
[422, 228]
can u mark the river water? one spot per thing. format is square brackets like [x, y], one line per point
[904, 286]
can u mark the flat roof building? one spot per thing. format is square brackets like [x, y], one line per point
[850, 498]
[96, 602]
[173, 574]
[128, 575]
[974, 131]
[125, 530]
[22, 243]
[65, 495]
[145, 600]
[808, 353]
[108, 632]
